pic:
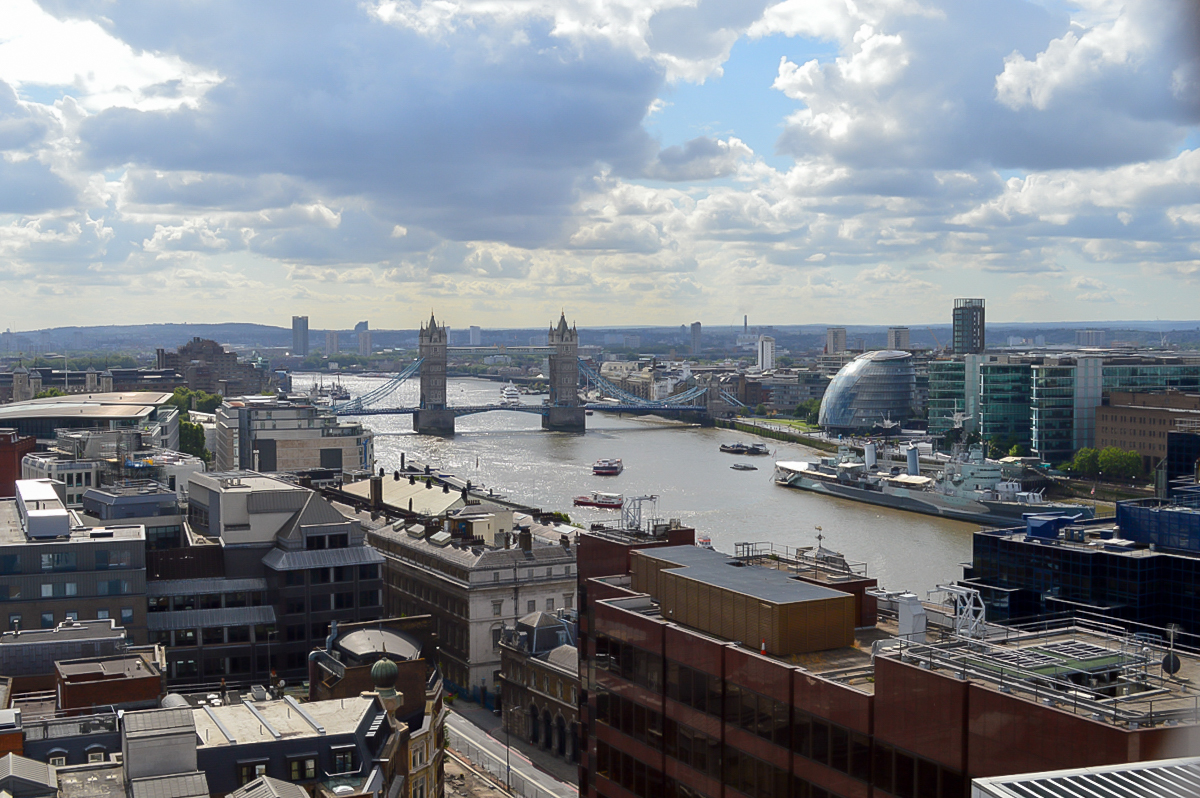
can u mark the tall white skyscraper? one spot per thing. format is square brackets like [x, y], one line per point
[476, 336]
[897, 338]
[766, 353]
[331, 342]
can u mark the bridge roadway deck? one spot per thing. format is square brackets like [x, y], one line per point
[467, 410]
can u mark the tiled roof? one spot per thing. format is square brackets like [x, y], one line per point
[180, 785]
[280, 560]
[208, 619]
[157, 720]
[198, 587]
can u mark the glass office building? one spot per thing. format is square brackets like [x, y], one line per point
[1052, 412]
[873, 388]
[1004, 402]
[947, 394]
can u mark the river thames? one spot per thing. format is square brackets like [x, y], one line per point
[509, 452]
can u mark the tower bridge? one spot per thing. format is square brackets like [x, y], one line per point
[563, 410]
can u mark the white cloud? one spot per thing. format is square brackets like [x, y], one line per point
[82, 58]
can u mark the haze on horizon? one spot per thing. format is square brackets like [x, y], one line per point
[637, 162]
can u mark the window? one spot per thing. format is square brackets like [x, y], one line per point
[496, 636]
[497, 608]
[214, 636]
[70, 589]
[61, 561]
[304, 768]
[319, 603]
[102, 615]
[47, 620]
[568, 600]
[369, 598]
[549, 605]
[126, 615]
[71, 615]
[47, 591]
[294, 606]
[10, 564]
[368, 571]
[343, 601]
[249, 771]
[106, 559]
[320, 630]
[14, 620]
[58, 761]
[343, 759]
[294, 633]
[95, 757]
[531, 606]
[293, 578]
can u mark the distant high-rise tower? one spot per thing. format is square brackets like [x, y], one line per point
[766, 353]
[695, 338]
[897, 338]
[835, 340]
[331, 342]
[745, 324]
[300, 336]
[968, 336]
[364, 342]
[476, 336]
[1097, 338]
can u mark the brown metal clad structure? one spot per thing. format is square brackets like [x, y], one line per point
[754, 606]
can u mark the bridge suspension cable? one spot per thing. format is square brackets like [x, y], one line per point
[380, 393]
[611, 390]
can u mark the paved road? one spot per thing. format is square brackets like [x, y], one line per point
[458, 726]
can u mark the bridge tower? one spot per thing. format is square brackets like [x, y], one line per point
[433, 417]
[565, 413]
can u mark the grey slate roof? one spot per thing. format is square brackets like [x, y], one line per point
[179, 785]
[315, 512]
[565, 657]
[539, 618]
[199, 587]
[267, 787]
[280, 560]
[30, 771]
[153, 721]
[207, 619]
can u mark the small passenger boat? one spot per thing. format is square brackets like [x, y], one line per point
[744, 467]
[608, 467]
[605, 501]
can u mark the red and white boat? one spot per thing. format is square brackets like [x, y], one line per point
[605, 501]
[608, 467]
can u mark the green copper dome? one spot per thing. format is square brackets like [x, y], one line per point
[384, 673]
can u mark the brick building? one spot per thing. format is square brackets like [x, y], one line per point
[207, 366]
[13, 447]
[1139, 422]
[681, 708]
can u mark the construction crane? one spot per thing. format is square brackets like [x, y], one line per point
[935, 338]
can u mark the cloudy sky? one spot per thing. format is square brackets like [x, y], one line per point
[631, 161]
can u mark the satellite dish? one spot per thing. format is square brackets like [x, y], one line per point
[1171, 664]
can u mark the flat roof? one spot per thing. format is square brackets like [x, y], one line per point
[223, 481]
[103, 668]
[245, 722]
[721, 570]
[1058, 665]
[77, 630]
[397, 493]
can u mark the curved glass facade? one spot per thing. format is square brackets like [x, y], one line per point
[872, 388]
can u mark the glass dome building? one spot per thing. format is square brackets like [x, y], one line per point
[873, 388]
